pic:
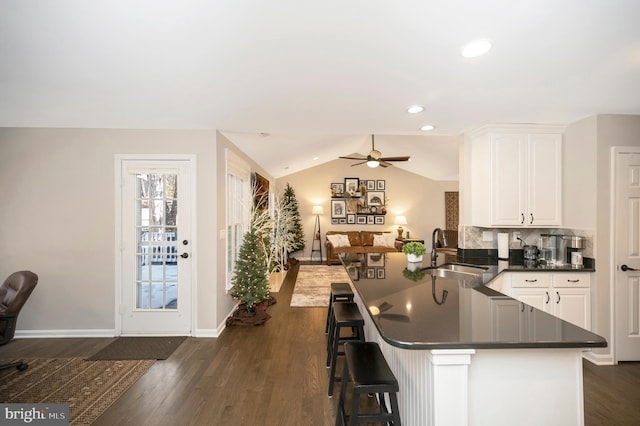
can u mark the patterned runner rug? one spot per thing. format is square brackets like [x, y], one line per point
[313, 284]
[89, 387]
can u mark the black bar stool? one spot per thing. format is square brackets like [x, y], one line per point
[345, 315]
[366, 367]
[340, 292]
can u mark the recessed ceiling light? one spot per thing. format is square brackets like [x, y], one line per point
[316, 158]
[415, 109]
[427, 127]
[476, 48]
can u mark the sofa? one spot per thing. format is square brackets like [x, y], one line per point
[337, 242]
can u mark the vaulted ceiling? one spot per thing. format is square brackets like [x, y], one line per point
[289, 81]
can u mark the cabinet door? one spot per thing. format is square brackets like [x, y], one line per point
[573, 305]
[544, 180]
[508, 179]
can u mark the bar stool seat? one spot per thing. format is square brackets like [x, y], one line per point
[340, 292]
[345, 315]
[366, 367]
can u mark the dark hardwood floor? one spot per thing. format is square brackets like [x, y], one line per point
[274, 374]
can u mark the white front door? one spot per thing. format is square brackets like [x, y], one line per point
[156, 247]
[627, 252]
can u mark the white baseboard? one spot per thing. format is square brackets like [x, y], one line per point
[598, 359]
[50, 334]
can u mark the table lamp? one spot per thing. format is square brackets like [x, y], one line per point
[400, 220]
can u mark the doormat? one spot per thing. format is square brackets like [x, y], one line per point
[139, 348]
[89, 387]
[313, 285]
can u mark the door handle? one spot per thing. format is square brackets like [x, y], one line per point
[626, 268]
[184, 255]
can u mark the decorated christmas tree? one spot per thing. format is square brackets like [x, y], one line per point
[250, 283]
[289, 200]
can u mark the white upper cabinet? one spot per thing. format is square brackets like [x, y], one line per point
[516, 176]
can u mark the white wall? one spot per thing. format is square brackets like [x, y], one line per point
[57, 219]
[420, 199]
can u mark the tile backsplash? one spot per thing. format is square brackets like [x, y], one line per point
[472, 237]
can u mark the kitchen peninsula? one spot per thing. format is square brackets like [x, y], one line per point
[466, 354]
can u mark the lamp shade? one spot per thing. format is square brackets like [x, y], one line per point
[373, 163]
[317, 210]
[401, 220]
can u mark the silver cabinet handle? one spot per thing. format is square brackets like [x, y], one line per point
[531, 223]
[558, 300]
[548, 298]
[522, 221]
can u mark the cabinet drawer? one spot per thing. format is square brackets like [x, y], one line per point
[569, 279]
[531, 280]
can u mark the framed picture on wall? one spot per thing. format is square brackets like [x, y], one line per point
[380, 274]
[379, 220]
[338, 209]
[351, 185]
[370, 220]
[334, 221]
[337, 189]
[380, 184]
[375, 198]
[371, 273]
[342, 221]
[351, 218]
[371, 185]
[361, 220]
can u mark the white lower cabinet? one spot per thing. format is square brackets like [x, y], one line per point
[566, 295]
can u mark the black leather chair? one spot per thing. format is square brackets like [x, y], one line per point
[14, 292]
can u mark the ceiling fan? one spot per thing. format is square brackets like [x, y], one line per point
[375, 158]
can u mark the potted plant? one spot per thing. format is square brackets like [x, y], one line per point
[414, 251]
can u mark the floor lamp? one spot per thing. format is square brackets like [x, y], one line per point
[317, 210]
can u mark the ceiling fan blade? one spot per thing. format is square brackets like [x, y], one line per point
[384, 163]
[354, 158]
[357, 164]
[405, 158]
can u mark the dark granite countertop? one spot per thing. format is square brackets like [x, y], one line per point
[417, 310]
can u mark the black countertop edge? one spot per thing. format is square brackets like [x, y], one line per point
[585, 345]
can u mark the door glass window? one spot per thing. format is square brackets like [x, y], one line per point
[156, 231]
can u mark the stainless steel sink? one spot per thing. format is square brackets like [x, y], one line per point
[468, 269]
[456, 271]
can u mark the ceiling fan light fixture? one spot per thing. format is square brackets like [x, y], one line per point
[373, 163]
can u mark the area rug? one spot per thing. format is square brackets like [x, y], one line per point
[89, 387]
[313, 284]
[139, 348]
